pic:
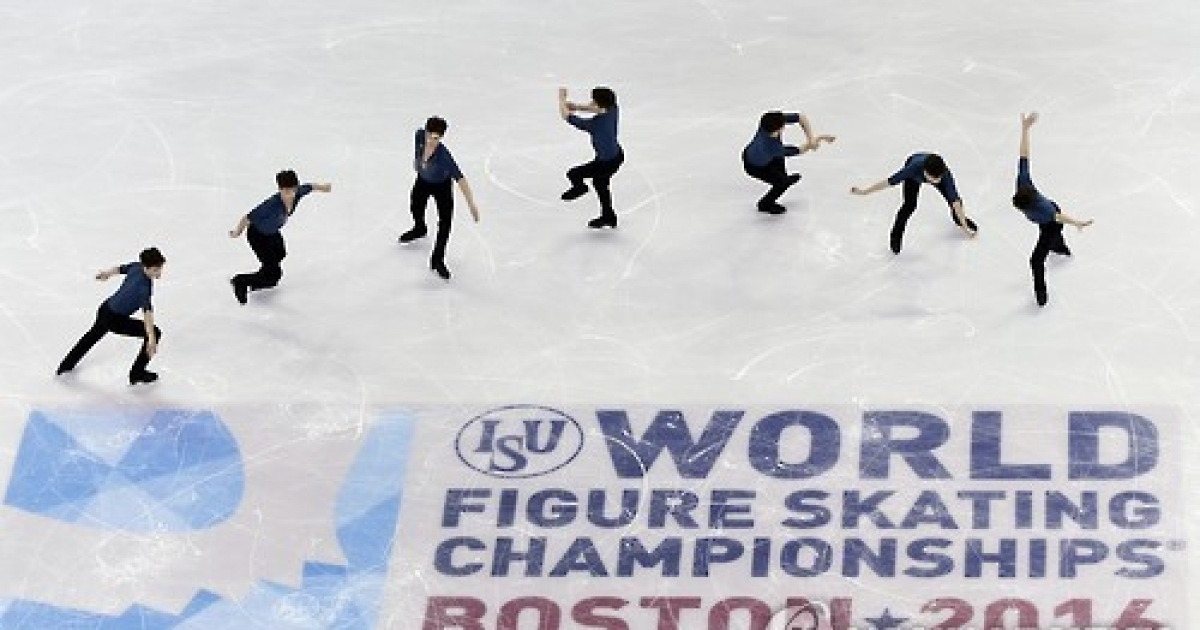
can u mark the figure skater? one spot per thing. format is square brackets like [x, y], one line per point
[114, 315]
[602, 127]
[263, 226]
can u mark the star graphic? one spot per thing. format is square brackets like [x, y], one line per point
[886, 621]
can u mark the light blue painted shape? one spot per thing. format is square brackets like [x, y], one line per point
[169, 470]
[328, 597]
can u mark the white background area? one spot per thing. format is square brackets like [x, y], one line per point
[126, 124]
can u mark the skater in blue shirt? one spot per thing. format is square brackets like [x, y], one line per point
[763, 157]
[1042, 211]
[922, 168]
[263, 226]
[436, 168]
[115, 315]
[602, 127]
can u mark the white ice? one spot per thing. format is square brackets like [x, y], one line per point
[129, 123]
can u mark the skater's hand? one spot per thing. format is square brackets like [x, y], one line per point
[967, 230]
[1082, 224]
[816, 143]
[858, 191]
[474, 212]
[104, 274]
[1027, 120]
[562, 93]
[234, 233]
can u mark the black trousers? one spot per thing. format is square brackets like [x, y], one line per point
[270, 250]
[774, 173]
[443, 197]
[108, 321]
[601, 173]
[912, 190]
[1050, 239]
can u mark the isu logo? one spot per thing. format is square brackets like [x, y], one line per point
[519, 441]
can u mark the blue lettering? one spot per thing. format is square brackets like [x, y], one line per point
[919, 551]
[456, 504]
[822, 557]
[856, 552]
[929, 509]
[825, 442]
[987, 433]
[511, 447]
[443, 558]
[632, 458]
[981, 505]
[1037, 558]
[531, 435]
[628, 512]
[1129, 551]
[710, 551]
[580, 556]
[487, 437]
[723, 513]
[1005, 559]
[1059, 505]
[1145, 510]
[677, 503]
[879, 444]
[810, 515]
[552, 508]
[506, 554]
[854, 508]
[1073, 552]
[1084, 447]
[633, 554]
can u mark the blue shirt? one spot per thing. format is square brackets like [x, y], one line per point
[134, 292]
[914, 170]
[441, 165]
[1042, 210]
[766, 147]
[603, 129]
[270, 215]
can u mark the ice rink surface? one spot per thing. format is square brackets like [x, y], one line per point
[130, 123]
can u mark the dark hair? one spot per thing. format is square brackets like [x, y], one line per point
[771, 122]
[604, 97]
[151, 257]
[935, 165]
[287, 179]
[436, 124]
[1024, 197]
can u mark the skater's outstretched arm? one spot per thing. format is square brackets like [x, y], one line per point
[873, 188]
[816, 143]
[566, 108]
[961, 215]
[810, 141]
[105, 274]
[466, 193]
[151, 339]
[240, 227]
[1065, 219]
[323, 187]
[1027, 121]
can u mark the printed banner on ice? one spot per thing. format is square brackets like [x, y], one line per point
[832, 517]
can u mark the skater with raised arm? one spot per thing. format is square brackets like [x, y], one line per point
[263, 226]
[763, 157]
[115, 315]
[1042, 211]
[436, 168]
[922, 168]
[602, 127]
